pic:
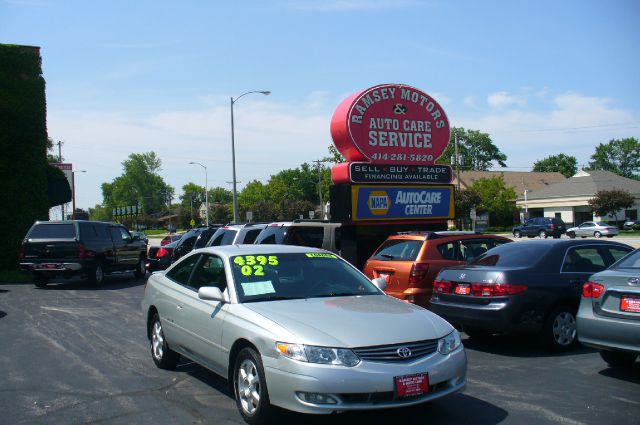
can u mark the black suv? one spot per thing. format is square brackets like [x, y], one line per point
[193, 239]
[540, 226]
[87, 248]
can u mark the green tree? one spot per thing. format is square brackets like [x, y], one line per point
[565, 164]
[140, 184]
[100, 213]
[497, 199]
[620, 156]
[476, 150]
[334, 156]
[609, 202]
[465, 200]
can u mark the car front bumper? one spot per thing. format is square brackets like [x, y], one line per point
[369, 385]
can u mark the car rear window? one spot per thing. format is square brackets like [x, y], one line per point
[512, 255]
[305, 236]
[228, 237]
[398, 249]
[251, 235]
[632, 261]
[53, 231]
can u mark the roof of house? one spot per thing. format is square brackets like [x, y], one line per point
[518, 180]
[586, 183]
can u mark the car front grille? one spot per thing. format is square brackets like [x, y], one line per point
[390, 353]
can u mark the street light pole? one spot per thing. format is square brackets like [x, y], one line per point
[206, 191]
[73, 192]
[233, 153]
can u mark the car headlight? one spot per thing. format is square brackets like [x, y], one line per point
[314, 354]
[449, 343]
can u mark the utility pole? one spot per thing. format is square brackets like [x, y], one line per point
[318, 162]
[60, 161]
[457, 154]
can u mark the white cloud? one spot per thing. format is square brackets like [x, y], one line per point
[269, 137]
[503, 99]
[574, 125]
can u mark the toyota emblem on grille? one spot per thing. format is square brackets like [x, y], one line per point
[404, 352]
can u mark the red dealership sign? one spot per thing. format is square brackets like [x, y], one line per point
[390, 124]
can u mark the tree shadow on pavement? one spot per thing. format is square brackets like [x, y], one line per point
[518, 346]
[111, 282]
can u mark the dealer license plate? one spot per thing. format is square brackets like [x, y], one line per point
[630, 304]
[463, 289]
[411, 385]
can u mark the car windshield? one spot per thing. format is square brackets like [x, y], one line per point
[631, 261]
[272, 277]
[512, 255]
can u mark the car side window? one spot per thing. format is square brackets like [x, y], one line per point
[208, 271]
[181, 272]
[306, 236]
[583, 260]
[472, 249]
[251, 235]
[616, 253]
[448, 251]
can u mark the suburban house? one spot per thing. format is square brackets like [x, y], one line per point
[520, 181]
[568, 199]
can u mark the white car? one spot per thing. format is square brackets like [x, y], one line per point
[592, 228]
[299, 328]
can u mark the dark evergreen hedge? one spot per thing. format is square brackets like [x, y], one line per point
[23, 147]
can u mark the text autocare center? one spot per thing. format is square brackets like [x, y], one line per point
[391, 135]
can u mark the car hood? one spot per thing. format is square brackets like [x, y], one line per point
[355, 321]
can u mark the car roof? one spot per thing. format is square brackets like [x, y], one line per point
[250, 249]
[429, 235]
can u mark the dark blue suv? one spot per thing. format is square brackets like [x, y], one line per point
[540, 226]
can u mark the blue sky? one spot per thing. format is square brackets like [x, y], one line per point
[542, 78]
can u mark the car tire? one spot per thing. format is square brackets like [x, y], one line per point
[560, 332]
[542, 234]
[40, 281]
[250, 389]
[618, 358]
[96, 276]
[597, 234]
[141, 268]
[517, 234]
[572, 235]
[163, 356]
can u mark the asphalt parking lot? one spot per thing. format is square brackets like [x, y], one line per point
[72, 353]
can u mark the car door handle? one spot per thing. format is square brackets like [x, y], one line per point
[179, 307]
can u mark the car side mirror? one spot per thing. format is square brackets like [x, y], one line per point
[135, 238]
[210, 293]
[380, 282]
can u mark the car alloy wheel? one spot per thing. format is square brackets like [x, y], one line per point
[597, 234]
[157, 341]
[141, 268]
[249, 386]
[163, 356]
[252, 397]
[542, 234]
[517, 234]
[564, 329]
[571, 235]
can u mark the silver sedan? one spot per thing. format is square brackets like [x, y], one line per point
[592, 228]
[301, 329]
[609, 314]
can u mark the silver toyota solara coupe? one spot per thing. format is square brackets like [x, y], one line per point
[299, 328]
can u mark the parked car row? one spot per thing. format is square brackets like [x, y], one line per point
[311, 233]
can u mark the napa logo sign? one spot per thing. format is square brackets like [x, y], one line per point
[379, 202]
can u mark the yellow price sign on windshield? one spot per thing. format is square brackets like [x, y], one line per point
[254, 264]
